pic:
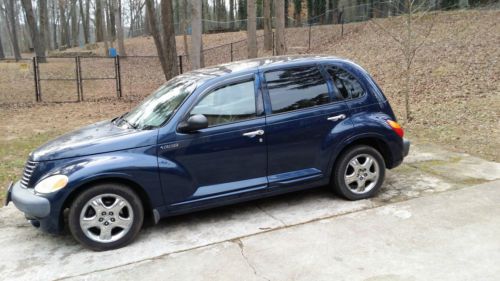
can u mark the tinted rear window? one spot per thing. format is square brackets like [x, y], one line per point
[296, 88]
[347, 85]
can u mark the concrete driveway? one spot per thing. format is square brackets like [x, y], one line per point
[413, 230]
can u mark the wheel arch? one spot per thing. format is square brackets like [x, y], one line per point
[373, 140]
[137, 188]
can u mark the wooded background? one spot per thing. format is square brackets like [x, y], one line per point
[59, 24]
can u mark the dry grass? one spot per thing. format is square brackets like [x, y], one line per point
[456, 100]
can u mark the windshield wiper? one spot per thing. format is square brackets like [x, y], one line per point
[121, 118]
[130, 124]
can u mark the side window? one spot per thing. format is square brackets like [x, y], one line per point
[296, 88]
[348, 86]
[227, 104]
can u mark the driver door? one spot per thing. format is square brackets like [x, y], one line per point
[226, 159]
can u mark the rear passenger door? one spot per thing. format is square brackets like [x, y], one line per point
[302, 117]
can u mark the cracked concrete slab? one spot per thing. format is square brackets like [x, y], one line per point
[34, 255]
[222, 262]
[447, 236]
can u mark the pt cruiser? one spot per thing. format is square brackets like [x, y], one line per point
[211, 137]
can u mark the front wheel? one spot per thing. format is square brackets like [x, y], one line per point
[106, 216]
[359, 173]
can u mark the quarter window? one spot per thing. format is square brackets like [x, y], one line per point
[347, 85]
[296, 88]
[231, 103]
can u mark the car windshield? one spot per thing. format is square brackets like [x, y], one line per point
[155, 110]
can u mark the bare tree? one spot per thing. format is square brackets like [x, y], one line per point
[169, 46]
[110, 33]
[119, 27]
[54, 25]
[165, 45]
[196, 34]
[268, 29]
[13, 28]
[251, 29]
[417, 28]
[74, 24]
[63, 24]
[44, 22]
[104, 28]
[147, 26]
[84, 15]
[231, 14]
[99, 36]
[2, 54]
[297, 11]
[279, 10]
[184, 27]
[34, 32]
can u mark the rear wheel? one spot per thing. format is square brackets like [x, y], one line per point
[106, 216]
[359, 173]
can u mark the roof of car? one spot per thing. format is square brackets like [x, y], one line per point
[254, 64]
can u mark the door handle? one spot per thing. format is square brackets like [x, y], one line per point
[254, 133]
[336, 118]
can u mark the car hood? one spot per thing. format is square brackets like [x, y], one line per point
[94, 139]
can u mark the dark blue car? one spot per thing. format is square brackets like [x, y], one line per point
[212, 137]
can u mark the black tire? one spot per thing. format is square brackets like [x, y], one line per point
[119, 190]
[342, 165]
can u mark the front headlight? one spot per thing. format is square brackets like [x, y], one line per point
[51, 184]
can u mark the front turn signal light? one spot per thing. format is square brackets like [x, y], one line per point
[51, 184]
[396, 128]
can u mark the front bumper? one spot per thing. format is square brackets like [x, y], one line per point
[25, 199]
[406, 147]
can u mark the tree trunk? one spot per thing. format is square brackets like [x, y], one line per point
[54, 25]
[119, 27]
[44, 22]
[169, 46]
[327, 13]
[98, 22]
[268, 29]
[110, 17]
[109, 35]
[74, 24]
[157, 37]
[63, 24]
[84, 16]
[279, 10]
[251, 29]
[231, 14]
[147, 25]
[13, 30]
[38, 44]
[2, 54]
[183, 26]
[105, 28]
[196, 34]
[297, 7]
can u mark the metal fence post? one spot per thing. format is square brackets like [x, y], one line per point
[80, 77]
[310, 25]
[231, 51]
[36, 77]
[118, 77]
[180, 64]
[273, 44]
[342, 22]
[77, 78]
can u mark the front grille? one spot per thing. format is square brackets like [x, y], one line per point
[28, 170]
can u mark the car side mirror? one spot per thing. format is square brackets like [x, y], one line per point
[194, 123]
